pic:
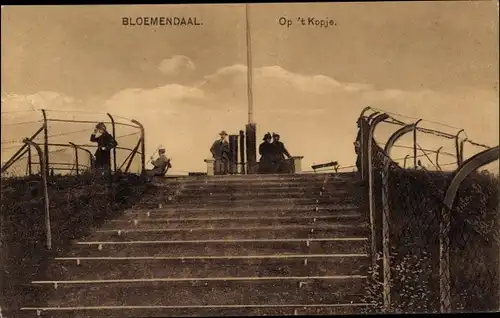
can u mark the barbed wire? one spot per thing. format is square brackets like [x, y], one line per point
[22, 123]
[411, 147]
[477, 144]
[19, 111]
[415, 118]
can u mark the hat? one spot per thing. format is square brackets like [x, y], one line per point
[100, 125]
[276, 135]
[161, 147]
[223, 133]
[266, 136]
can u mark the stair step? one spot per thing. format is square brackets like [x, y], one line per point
[225, 222]
[278, 202]
[249, 194]
[95, 269]
[250, 209]
[267, 177]
[201, 291]
[160, 214]
[156, 232]
[353, 245]
[204, 310]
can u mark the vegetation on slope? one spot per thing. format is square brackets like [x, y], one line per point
[76, 205]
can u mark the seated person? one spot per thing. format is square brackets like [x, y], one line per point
[161, 164]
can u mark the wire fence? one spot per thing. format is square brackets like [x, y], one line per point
[435, 243]
[65, 138]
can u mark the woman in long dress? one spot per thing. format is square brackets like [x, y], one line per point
[266, 151]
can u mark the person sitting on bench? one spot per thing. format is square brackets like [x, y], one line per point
[161, 164]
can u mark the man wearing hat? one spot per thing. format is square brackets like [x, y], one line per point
[266, 151]
[105, 142]
[279, 154]
[161, 164]
[220, 152]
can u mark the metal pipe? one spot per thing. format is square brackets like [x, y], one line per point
[113, 129]
[462, 149]
[76, 158]
[9, 162]
[46, 140]
[469, 166]
[29, 161]
[415, 144]
[249, 66]
[371, 185]
[44, 174]
[457, 147]
[437, 157]
[404, 163]
[143, 146]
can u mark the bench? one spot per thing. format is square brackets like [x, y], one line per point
[333, 164]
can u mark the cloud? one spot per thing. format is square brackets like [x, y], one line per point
[176, 64]
[314, 114]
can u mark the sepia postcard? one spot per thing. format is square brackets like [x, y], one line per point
[250, 159]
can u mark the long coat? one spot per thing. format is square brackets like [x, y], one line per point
[266, 162]
[220, 150]
[105, 143]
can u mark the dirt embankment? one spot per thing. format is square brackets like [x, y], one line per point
[76, 205]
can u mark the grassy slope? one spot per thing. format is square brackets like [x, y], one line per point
[76, 205]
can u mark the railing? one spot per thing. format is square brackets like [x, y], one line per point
[79, 158]
[423, 199]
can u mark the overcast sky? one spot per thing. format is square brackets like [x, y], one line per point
[436, 60]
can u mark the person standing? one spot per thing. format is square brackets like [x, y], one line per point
[220, 152]
[279, 153]
[105, 142]
[266, 150]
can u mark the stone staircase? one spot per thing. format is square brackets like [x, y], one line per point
[219, 245]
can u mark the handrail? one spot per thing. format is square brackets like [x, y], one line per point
[472, 164]
[44, 173]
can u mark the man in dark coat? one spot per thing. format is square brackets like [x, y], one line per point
[105, 142]
[266, 151]
[279, 153]
[220, 152]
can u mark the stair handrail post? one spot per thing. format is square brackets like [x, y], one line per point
[143, 147]
[44, 174]
[378, 119]
[472, 164]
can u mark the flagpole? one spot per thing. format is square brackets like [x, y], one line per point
[249, 67]
[251, 127]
